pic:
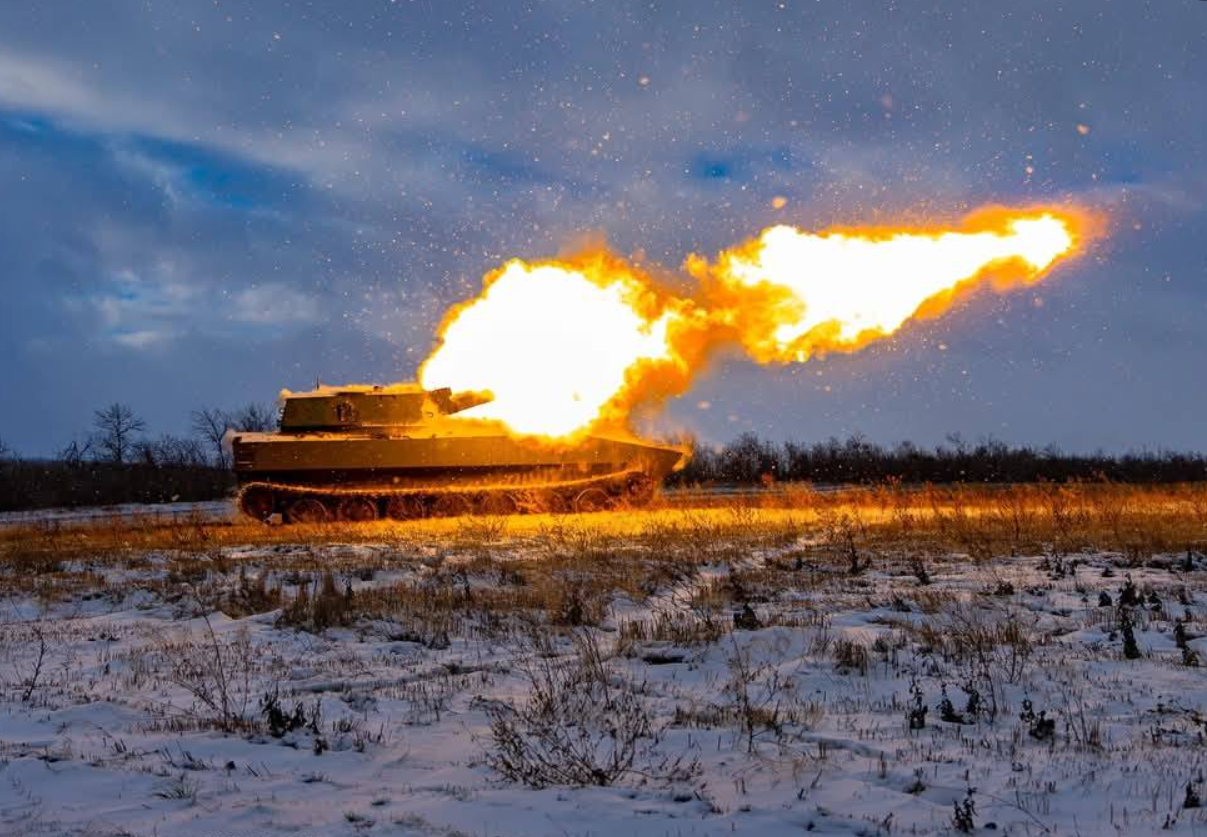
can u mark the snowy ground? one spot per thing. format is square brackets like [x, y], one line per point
[763, 686]
[211, 510]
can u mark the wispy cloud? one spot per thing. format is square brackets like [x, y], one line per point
[275, 304]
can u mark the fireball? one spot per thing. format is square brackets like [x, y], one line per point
[554, 345]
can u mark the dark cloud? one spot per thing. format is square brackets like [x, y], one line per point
[207, 201]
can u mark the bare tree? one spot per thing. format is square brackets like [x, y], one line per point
[174, 450]
[211, 425]
[171, 451]
[5, 450]
[144, 452]
[255, 418]
[73, 453]
[115, 428]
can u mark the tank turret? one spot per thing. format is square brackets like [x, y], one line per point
[349, 408]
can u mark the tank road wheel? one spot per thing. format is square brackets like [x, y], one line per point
[498, 503]
[356, 509]
[555, 502]
[308, 510]
[450, 505]
[257, 502]
[405, 507]
[592, 500]
[641, 489]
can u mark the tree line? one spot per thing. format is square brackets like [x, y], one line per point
[752, 460]
[117, 461]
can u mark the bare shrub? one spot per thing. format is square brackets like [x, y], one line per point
[326, 607]
[29, 683]
[917, 566]
[760, 702]
[180, 790]
[1066, 518]
[38, 662]
[844, 536]
[677, 628]
[754, 695]
[578, 727]
[851, 656]
[279, 719]
[1013, 513]
[216, 672]
[956, 519]
[479, 534]
[994, 644]
[250, 595]
[1131, 649]
[1081, 727]
[429, 700]
[963, 818]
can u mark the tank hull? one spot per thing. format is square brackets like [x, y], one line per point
[451, 469]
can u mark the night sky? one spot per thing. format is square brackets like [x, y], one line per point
[204, 202]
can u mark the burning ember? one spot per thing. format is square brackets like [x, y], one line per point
[566, 346]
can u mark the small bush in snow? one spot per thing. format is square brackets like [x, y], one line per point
[916, 716]
[279, 720]
[1039, 725]
[326, 607]
[578, 727]
[947, 711]
[216, 672]
[1131, 650]
[851, 656]
[963, 818]
[1192, 798]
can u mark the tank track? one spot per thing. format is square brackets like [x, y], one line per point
[322, 504]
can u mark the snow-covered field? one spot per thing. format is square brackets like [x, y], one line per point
[169, 512]
[700, 679]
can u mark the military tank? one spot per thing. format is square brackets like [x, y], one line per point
[361, 453]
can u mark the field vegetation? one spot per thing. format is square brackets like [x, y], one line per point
[878, 660]
[856, 524]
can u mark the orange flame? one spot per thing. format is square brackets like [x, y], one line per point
[565, 346]
[556, 344]
[792, 293]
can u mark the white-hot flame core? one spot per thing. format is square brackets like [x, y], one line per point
[550, 345]
[855, 285]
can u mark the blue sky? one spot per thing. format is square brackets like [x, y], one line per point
[207, 201]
